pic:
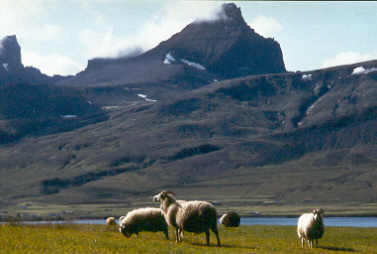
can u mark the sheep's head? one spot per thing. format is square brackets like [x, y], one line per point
[318, 213]
[110, 221]
[125, 231]
[123, 227]
[164, 195]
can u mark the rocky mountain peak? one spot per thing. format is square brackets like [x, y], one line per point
[12, 71]
[232, 12]
[10, 53]
[203, 51]
[226, 46]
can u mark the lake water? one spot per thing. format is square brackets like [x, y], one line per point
[279, 221]
[330, 221]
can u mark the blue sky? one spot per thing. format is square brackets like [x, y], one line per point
[59, 37]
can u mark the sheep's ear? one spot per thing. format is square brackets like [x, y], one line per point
[170, 193]
[164, 194]
[156, 198]
[321, 211]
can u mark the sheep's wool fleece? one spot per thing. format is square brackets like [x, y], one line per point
[309, 228]
[147, 212]
[170, 217]
[195, 216]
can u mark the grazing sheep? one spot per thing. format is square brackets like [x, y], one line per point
[143, 219]
[310, 227]
[192, 216]
[110, 221]
[230, 219]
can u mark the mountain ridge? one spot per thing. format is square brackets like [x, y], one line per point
[201, 52]
[237, 135]
[271, 139]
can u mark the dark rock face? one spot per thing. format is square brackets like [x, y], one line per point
[12, 71]
[202, 52]
[29, 106]
[227, 46]
[42, 109]
[10, 54]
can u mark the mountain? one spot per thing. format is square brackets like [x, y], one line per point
[226, 47]
[257, 142]
[202, 52]
[185, 116]
[30, 105]
[10, 54]
[12, 70]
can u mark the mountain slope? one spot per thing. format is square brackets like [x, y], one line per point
[288, 138]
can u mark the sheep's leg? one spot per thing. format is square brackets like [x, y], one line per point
[302, 242]
[214, 229]
[207, 237]
[176, 235]
[311, 244]
[316, 243]
[166, 232]
[180, 233]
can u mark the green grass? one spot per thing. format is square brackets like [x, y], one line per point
[57, 239]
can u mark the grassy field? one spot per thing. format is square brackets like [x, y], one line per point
[245, 239]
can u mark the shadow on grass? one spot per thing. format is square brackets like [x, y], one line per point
[225, 246]
[337, 248]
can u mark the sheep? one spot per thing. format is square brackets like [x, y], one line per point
[230, 219]
[310, 227]
[143, 219]
[110, 221]
[192, 216]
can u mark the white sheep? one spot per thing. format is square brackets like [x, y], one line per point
[230, 219]
[110, 221]
[310, 227]
[191, 216]
[143, 219]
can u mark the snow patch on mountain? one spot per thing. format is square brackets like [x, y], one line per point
[169, 59]
[193, 64]
[361, 70]
[145, 97]
[306, 77]
[5, 65]
[68, 116]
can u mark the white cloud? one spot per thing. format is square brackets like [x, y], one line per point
[18, 16]
[266, 26]
[46, 32]
[106, 43]
[172, 18]
[51, 64]
[348, 57]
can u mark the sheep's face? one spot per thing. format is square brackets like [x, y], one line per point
[110, 221]
[125, 231]
[318, 213]
[163, 195]
[157, 198]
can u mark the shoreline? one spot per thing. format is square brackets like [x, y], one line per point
[62, 219]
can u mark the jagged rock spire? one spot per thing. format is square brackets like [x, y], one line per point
[10, 52]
